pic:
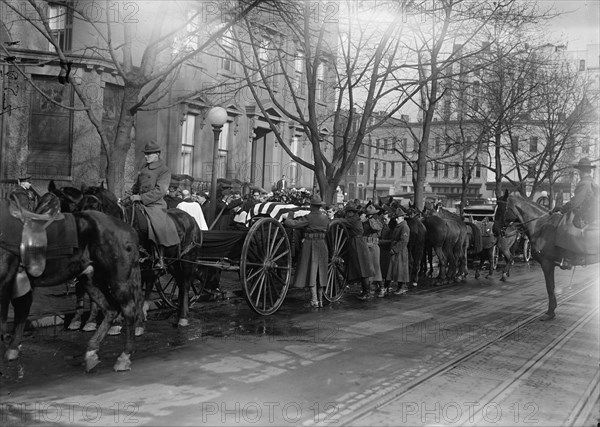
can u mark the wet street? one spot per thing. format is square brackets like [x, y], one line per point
[465, 354]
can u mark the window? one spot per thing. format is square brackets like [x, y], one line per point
[60, 21]
[456, 169]
[403, 170]
[446, 170]
[514, 143]
[228, 51]
[352, 170]
[582, 65]
[320, 95]
[533, 144]
[435, 169]
[50, 130]
[351, 191]
[186, 165]
[383, 169]
[392, 169]
[223, 138]
[361, 191]
[377, 146]
[478, 171]
[361, 150]
[385, 146]
[293, 167]
[404, 145]
[299, 74]
[437, 144]
[361, 168]
[530, 171]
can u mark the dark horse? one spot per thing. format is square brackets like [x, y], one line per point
[104, 259]
[541, 228]
[416, 244]
[180, 258]
[447, 235]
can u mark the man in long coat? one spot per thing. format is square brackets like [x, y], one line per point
[372, 227]
[359, 264]
[314, 254]
[398, 270]
[151, 186]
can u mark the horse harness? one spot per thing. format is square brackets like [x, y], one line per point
[34, 242]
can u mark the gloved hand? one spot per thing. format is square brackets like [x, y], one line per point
[135, 198]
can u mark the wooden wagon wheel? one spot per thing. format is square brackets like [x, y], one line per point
[169, 291]
[495, 256]
[526, 249]
[337, 274]
[266, 266]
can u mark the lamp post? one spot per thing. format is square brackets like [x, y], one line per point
[217, 117]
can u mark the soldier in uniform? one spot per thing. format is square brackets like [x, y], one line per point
[398, 270]
[372, 227]
[312, 266]
[26, 188]
[359, 263]
[150, 189]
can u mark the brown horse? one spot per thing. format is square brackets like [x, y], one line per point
[102, 255]
[541, 228]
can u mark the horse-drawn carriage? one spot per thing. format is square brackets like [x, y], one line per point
[264, 256]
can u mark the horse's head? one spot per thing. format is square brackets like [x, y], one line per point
[69, 197]
[503, 215]
[101, 199]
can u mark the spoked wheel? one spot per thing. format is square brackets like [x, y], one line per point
[337, 274]
[495, 256]
[526, 249]
[169, 291]
[266, 266]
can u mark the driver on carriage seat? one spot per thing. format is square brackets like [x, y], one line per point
[152, 185]
[583, 207]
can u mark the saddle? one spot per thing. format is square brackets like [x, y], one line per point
[583, 241]
[34, 240]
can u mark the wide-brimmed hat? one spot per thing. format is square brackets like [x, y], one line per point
[371, 210]
[316, 201]
[399, 213]
[584, 163]
[350, 207]
[152, 147]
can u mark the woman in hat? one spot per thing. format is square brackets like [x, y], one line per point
[150, 188]
[359, 263]
[311, 269]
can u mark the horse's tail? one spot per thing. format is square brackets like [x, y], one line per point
[476, 239]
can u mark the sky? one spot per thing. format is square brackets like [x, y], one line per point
[580, 24]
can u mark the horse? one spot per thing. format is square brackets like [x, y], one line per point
[541, 227]
[447, 235]
[416, 243]
[98, 250]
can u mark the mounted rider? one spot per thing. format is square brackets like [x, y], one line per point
[152, 185]
[578, 230]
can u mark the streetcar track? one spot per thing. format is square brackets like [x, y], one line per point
[393, 393]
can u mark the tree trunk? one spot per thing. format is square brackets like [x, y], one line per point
[498, 157]
[117, 153]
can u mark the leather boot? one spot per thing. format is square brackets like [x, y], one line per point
[314, 302]
[320, 296]
[366, 291]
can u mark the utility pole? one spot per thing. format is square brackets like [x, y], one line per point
[375, 182]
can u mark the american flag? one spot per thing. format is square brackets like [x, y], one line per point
[276, 210]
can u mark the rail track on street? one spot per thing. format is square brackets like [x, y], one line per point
[484, 409]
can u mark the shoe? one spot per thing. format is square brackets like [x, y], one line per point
[320, 304]
[401, 290]
[364, 296]
[382, 293]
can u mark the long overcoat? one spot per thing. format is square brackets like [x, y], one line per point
[359, 263]
[314, 254]
[152, 185]
[584, 204]
[372, 230]
[398, 270]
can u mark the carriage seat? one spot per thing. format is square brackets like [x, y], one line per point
[34, 239]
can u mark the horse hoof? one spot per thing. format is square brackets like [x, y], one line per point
[139, 330]
[91, 360]
[547, 317]
[11, 354]
[74, 325]
[183, 322]
[90, 327]
[145, 308]
[114, 330]
[123, 363]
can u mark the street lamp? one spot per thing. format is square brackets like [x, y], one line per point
[217, 117]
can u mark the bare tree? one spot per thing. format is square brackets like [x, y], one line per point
[143, 57]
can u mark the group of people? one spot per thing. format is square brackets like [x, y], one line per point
[365, 228]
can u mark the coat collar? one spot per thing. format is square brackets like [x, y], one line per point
[156, 164]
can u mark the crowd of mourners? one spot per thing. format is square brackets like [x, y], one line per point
[381, 269]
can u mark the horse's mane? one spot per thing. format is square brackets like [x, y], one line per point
[537, 208]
